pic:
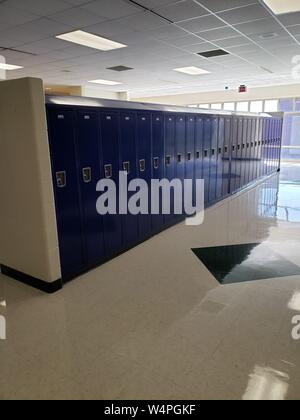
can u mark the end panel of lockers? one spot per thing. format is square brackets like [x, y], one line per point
[144, 163]
[88, 151]
[128, 163]
[61, 128]
[110, 161]
[158, 164]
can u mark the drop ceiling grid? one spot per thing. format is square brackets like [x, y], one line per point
[34, 29]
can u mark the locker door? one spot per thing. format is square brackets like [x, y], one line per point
[268, 141]
[170, 159]
[234, 154]
[239, 162]
[144, 166]
[244, 153]
[248, 152]
[180, 153]
[158, 162]
[190, 150]
[206, 156]
[199, 145]
[256, 150]
[88, 142]
[226, 158]
[252, 150]
[220, 159]
[110, 161]
[213, 160]
[260, 163]
[65, 182]
[128, 162]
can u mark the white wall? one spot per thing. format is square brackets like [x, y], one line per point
[269, 92]
[95, 92]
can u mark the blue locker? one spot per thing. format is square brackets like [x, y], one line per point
[213, 160]
[260, 148]
[252, 149]
[199, 146]
[158, 162]
[255, 157]
[88, 143]
[244, 152]
[144, 154]
[110, 161]
[234, 153]
[61, 123]
[128, 163]
[170, 169]
[220, 159]
[239, 162]
[248, 152]
[181, 155]
[207, 133]
[190, 150]
[226, 158]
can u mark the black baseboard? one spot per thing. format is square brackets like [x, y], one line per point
[31, 281]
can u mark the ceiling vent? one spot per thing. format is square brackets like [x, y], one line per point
[213, 53]
[120, 68]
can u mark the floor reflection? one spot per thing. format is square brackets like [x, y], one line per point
[267, 384]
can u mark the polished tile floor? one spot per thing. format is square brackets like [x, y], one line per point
[156, 324]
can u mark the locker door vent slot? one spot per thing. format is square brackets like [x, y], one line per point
[142, 164]
[108, 171]
[126, 167]
[87, 175]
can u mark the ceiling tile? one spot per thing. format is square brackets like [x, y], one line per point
[11, 16]
[202, 24]
[217, 34]
[39, 7]
[186, 9]
[112, 9]
[219, 5]
[244, 14]
[78, 17]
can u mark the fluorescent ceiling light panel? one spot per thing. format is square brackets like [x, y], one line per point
[90, 40]
[105, 82]
[4, 66]
[194, 71]
[280, 7]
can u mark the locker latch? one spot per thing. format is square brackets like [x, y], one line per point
[126, 167]
[61, 179]
[156, 163]
[87, 175]
[108, 171]
[179, 158]
[168, 160]
[189, 156]
[142, 165]
[198, 155]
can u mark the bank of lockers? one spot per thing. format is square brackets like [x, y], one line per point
[88, 144]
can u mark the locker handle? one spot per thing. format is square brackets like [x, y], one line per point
[233, 148]
[239, 147]
[126, 167]
[244, 146]
[220, 150]
[226, 149]
[168, 160]
[248, 145]
[87, 175]
[205, 153]
[189, 156]
[108, 171]
[179, 158]
[61, 179]
[156, 163]
[142, 164]
[213, 152]
[198, 155]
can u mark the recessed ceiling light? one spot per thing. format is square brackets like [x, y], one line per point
[4, 66]
[280, 7]
[194, 71]
[105, 82]
[90, 40]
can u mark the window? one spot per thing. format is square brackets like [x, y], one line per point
[204, 106]
[216, 106]
[286, 105]
[192, 106]
[229, 106]
[256, 106]
[271, 106]
[297, 105]
[242, 106]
